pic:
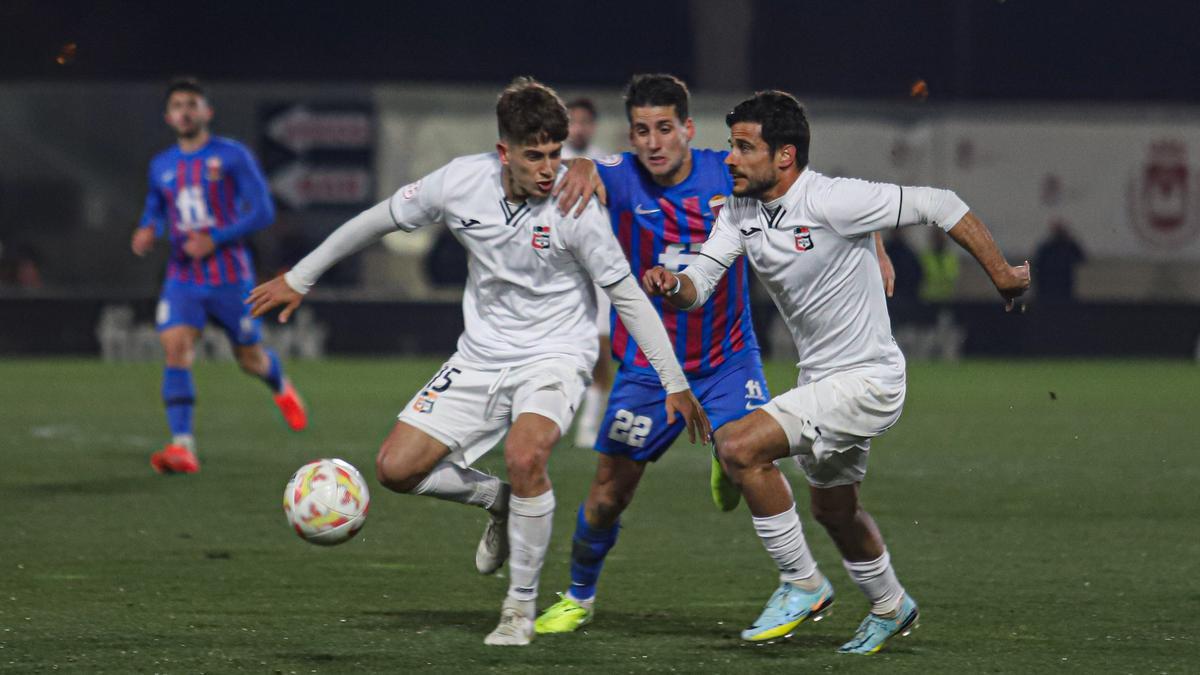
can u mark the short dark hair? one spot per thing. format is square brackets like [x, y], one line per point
[530, 112]
[583, 103]
[782, 118]
[657, 89]
[188, 84]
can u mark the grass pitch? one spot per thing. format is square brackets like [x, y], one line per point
[1044, 514]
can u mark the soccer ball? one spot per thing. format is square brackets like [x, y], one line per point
[326, 501]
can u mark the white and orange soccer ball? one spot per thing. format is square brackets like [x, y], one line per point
[326, 501]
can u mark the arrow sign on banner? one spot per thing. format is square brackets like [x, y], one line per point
[300, 185]
[300, 129]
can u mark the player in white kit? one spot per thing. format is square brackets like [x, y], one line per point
[525, 357]
[809, 239]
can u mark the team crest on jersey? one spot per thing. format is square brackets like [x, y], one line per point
[715, 204]
[424, 402]
[541, 236]
[610, 160]
[212, 168]
[804, 240]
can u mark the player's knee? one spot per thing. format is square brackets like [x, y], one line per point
[524, 464]
[178, 353]
[736, 455]
[606, 508]
[395, 474]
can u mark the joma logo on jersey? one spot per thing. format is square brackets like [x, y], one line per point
[804, 240]
[541, 236]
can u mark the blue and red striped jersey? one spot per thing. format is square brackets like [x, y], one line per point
[666, 226]
[219, 189]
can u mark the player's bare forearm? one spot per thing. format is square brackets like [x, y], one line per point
[886, 269]
[677, 289]
[971, 234]
[272, 294]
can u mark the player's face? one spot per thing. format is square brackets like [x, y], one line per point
[532, 169]
[750, 161]
[660, 140]
[188, 114]
[581, 128]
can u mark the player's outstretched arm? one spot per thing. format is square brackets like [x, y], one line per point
[289, 289]
[272, 294]
[645, 325]
[578, 185]
[970, 233]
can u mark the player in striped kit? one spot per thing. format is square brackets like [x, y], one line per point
[206, 196]
[663, 199]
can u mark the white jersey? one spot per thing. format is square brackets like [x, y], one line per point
[529, 292]
[813, 249]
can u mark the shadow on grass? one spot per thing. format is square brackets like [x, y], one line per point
[109, 486]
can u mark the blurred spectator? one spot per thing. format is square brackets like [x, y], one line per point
[581, 131]
[1054, 265]
[939, 270]
[446, 262]
[22, 269]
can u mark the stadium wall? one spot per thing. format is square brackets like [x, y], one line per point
[1126, 180]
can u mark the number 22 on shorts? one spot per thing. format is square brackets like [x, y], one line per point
[630, 429]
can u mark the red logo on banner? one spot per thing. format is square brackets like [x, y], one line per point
[1161, 196]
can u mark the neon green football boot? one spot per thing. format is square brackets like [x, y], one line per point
[564, 616]
[725, 494]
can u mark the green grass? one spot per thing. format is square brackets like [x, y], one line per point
[1039, 532]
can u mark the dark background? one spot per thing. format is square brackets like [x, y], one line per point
[964, 49]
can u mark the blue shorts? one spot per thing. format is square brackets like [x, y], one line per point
[635, 423]
[193, 305]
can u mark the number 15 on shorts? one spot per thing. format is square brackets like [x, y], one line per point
[630, 429]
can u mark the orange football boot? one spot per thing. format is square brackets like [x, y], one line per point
[292, 407]
[175, 459]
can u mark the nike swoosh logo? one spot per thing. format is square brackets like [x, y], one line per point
[644, 212]
[751, 231]
[468, 223]
[753, 406]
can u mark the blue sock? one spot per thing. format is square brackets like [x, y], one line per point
[274, 376]
[589, 546]
[179, 395]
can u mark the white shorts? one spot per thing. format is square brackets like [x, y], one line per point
[469, 407]
[603, 305]
[830, 423]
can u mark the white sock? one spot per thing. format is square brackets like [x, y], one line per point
[529, 522]
[878, 582]
[186, 440]
[783, 537]
[453, 483]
